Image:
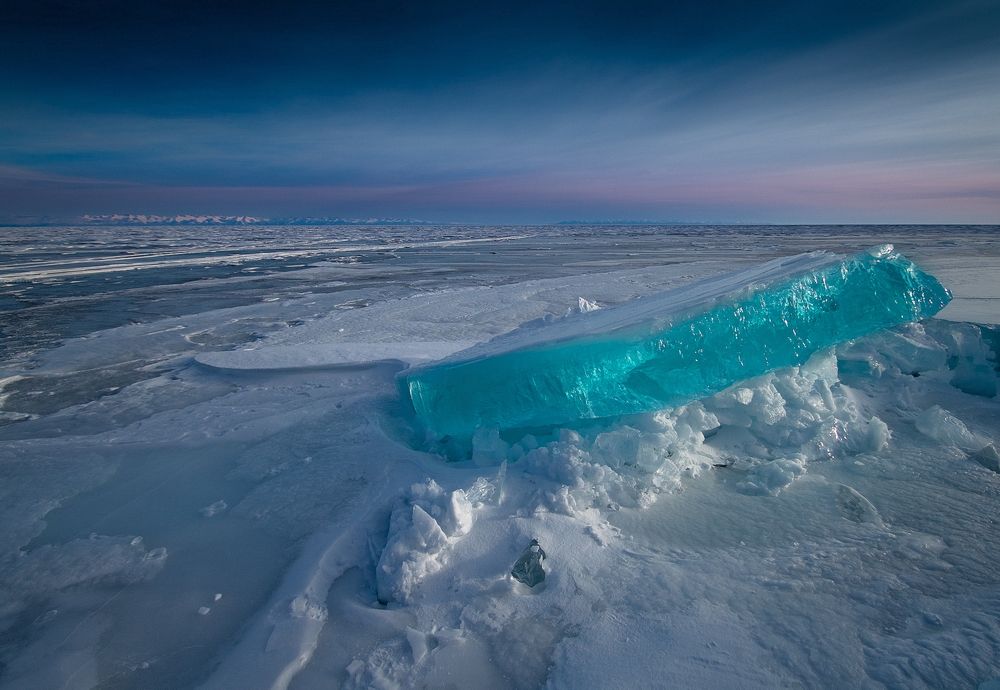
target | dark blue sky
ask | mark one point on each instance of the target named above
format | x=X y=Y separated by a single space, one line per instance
x=770 y=111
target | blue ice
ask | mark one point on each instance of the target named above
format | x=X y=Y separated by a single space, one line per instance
x=671 y=348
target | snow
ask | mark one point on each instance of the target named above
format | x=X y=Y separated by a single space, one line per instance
x=341 y=354
x=251 y=510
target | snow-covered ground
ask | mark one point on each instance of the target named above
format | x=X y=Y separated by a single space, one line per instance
x=214 y=483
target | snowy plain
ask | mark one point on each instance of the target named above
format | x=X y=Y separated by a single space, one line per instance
x=209 y=479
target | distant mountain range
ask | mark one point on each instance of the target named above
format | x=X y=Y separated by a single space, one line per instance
x=133 y=219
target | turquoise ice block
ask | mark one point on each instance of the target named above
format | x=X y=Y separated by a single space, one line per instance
x=671 y=348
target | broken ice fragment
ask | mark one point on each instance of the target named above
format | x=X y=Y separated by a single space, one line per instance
x=878 y=435
x=528 y=568
x=988 y=457
x=856 y=508
x=944 y=427
x=418 y=643
x=669 y=349
x=488 y=449
x=480 y=492
x=770 y=478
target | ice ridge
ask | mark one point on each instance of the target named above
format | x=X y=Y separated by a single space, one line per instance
x=671 y=348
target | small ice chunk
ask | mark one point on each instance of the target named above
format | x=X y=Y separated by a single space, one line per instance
x=203 y=611
x=457 y=519
x=480 y=492
x=943 y=426
x=427 y=533
x=975 y=379
x=910 y=350
x=988 y=457
x=769 y=479
x=618 y=447
x=969 y=357
x=528 y=568
x=488 y=449
x=743 y=395
x=878 y=435
x=217 y=597
x=856 y=508
x=418 y=644
x=213 y=509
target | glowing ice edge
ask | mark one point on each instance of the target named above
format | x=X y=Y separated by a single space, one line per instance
x=672 y=348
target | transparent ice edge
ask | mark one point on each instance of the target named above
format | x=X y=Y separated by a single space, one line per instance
x=671 y=348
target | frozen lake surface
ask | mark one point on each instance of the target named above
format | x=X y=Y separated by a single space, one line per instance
x=208 y=478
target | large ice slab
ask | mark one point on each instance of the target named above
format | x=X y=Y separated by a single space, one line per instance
x=669 y=349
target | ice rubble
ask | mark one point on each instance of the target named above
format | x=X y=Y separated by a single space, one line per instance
x=421 y=528
x=759 y=436
x=767 y=429
x=669 y=349
x=769 y=426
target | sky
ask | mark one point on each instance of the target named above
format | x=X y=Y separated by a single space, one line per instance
x=772 y=111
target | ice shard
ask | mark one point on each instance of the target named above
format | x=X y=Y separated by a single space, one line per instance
x=671 y=348
x=528 y=568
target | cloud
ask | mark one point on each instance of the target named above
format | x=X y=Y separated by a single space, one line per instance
x=870 y=115
x=14 y=177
